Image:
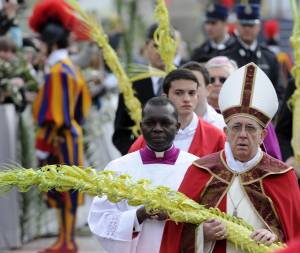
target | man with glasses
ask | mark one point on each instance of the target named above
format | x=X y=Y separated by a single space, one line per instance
x=218 y=38
x=219 y=68
x=247 y=48
x=240 y=180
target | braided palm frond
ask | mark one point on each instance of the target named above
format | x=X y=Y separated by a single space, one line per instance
x=295 y=99
x=120 y=187
x=167 y=46
x=96 y=33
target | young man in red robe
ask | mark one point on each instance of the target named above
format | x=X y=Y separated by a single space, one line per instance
x=240 y=180
x=195 y=135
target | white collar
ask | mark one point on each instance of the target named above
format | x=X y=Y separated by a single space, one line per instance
x=161 y=153
x=210 y=112
x=251 y=47
x=221 y=45
x=190 y=128
x=57 y=56
x=177 y=60
x=155 y=79
x=238 y=166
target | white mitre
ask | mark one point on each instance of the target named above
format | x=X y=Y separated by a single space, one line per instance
x=250 y=93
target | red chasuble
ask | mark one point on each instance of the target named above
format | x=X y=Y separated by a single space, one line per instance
x=207 y=140
x=271 y=186
x=293 y=247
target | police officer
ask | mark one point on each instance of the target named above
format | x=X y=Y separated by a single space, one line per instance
x=218 y=38
x=247 y=48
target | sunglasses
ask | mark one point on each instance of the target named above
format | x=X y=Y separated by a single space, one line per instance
x=221 y=79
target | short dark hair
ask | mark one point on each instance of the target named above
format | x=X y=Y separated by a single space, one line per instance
x=151 y=31
x=196 y=66
x=161 y=101
x=178 y=74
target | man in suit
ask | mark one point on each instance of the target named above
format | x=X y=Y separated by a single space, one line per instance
x=218 y=38
x=144 y=90
x=247 y=48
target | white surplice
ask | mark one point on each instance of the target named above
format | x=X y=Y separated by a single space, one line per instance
x=114 y=224
x=212 y=117
x=235 y=198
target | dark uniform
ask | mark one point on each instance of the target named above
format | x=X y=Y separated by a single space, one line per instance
x=209 y=49
x=263 y=58
x=261 y=55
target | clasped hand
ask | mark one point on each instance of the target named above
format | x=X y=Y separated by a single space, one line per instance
x=215 y=230
x=142 y=215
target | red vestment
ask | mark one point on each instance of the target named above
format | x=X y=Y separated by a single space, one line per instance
x=207 y=140
x=293 y=247
x=207 y=182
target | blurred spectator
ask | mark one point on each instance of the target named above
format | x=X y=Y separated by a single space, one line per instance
x=11 y=83
x=99 y=124
x=272 y=37
x=8 y=22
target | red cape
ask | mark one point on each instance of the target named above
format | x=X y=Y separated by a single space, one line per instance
x=207 y=140
x=281 y=188
x=293 y=247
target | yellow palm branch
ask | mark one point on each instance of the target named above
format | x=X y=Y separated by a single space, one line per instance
x=120 y=187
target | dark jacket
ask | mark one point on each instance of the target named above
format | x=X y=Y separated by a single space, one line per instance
x=123 y=137
x=205 y=52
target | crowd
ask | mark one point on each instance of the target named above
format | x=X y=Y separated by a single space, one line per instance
x=218 y=128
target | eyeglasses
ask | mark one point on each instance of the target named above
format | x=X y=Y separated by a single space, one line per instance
x=221 y=79
x=248 y=128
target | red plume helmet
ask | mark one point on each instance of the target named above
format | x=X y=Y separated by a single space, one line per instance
x=56 y=11
x=271 y=29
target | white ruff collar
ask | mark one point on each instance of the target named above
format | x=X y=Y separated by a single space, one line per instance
x=238 y=166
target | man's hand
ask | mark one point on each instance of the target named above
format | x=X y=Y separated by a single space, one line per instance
x=263 y=236
x=214 y=230
x=142 y=215
x=158 y=215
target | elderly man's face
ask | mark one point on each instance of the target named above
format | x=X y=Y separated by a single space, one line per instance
x=217 y=77
x=244 y=136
